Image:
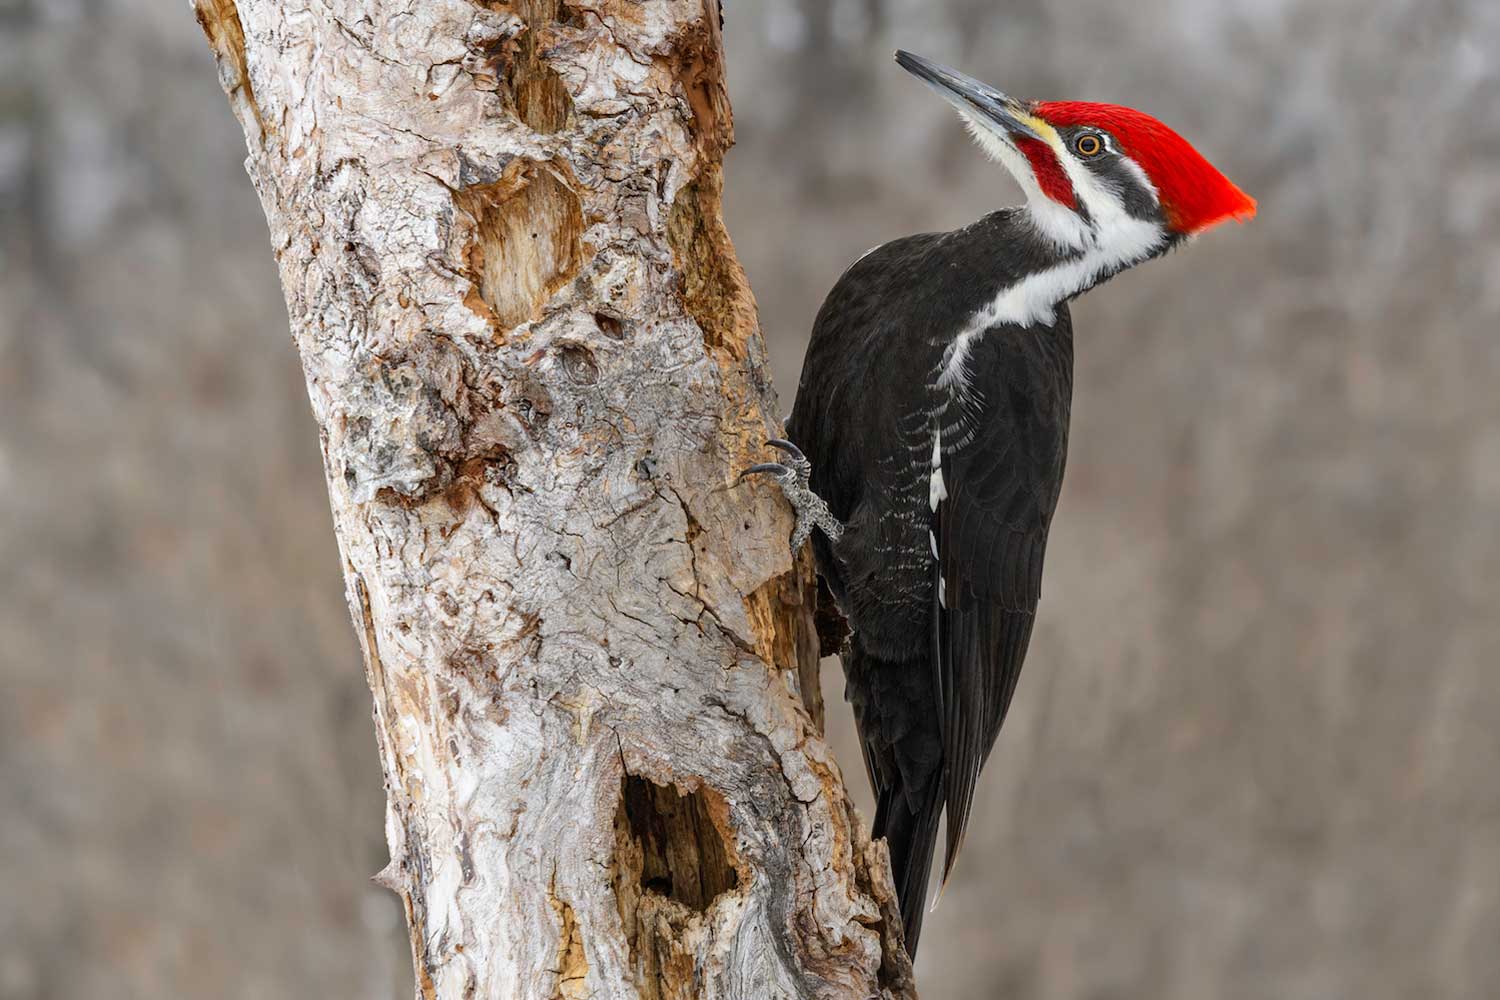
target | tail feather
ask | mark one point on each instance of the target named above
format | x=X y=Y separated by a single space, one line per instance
x=911 y=837
x=895 y=706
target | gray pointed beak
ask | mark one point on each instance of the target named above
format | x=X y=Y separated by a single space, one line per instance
x=969 y=95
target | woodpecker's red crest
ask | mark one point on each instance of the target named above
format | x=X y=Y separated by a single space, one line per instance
x=1194 y=195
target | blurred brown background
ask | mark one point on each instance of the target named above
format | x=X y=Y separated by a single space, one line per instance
x=1255 y=750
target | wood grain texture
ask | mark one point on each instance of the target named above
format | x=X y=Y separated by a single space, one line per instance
x=536 y=368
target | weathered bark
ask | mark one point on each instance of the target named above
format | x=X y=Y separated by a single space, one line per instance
x=536 y=368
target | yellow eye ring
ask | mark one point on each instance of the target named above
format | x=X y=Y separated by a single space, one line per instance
x=1088 y=144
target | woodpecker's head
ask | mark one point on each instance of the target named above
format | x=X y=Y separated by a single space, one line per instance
x=1097 y=177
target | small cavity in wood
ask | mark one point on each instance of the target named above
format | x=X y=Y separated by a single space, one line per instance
x=611 y=326
x=673 y=845
x=527 y=241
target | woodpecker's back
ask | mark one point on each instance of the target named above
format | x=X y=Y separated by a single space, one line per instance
x=939 y=444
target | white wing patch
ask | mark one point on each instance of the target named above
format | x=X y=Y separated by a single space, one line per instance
x=937 y=490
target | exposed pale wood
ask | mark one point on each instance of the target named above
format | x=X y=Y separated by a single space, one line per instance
x=536 y=369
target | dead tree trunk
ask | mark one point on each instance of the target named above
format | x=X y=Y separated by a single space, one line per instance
x=536 y=369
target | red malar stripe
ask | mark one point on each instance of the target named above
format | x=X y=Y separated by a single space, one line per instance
x=1050 y=175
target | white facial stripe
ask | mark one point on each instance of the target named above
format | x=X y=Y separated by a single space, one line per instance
x=1103 y=200
x=1140 y=177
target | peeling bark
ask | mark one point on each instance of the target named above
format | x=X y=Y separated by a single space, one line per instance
x=536 y=369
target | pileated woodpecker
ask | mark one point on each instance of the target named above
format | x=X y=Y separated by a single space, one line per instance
x=931 y=427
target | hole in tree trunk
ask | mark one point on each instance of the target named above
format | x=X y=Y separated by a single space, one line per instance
x=683 y=856
x=527 y=241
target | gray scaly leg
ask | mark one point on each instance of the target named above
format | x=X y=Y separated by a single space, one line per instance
x=792 y=475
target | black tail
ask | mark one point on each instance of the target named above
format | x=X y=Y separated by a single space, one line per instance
x=898 y=727
x=911 y=837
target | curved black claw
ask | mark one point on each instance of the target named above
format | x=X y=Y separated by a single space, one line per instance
x=795 y=459
x=781 y=444
x=775 y=468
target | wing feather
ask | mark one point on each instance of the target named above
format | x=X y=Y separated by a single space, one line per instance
x=991 y=533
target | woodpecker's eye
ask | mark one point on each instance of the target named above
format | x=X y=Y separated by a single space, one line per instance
x=1088 y=144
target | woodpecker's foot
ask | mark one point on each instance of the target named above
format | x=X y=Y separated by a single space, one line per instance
x=792 y=475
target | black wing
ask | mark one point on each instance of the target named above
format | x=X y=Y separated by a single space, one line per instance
x=991 y=529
